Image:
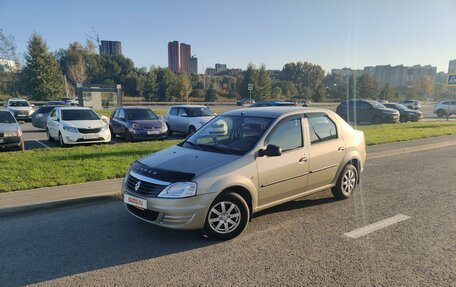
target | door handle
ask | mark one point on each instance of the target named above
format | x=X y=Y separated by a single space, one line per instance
x=341 y=148
x=303 y=159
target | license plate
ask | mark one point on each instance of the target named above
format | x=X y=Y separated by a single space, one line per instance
x=153 y=132
x=2 y=140
x=135 y=201
x=90 y=137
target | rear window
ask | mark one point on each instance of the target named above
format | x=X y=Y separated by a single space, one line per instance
x=18 y=104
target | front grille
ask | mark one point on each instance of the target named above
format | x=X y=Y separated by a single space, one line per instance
x=89 y=131
x=146 y=188
x=89 y=140
x=146 y=214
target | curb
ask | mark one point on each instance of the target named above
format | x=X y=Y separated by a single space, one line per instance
x=406 y=150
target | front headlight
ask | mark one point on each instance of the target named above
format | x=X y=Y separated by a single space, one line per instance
x=71 y=129
x=12 y=134
x=135 y=126
x=179 y=190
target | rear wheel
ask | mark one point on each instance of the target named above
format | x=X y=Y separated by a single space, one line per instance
x=227 y=217
x=347 y=182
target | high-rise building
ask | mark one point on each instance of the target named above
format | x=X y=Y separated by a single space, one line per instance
x=185 y=54
x=110 y=48
x=452 y=66
x=192 y=65
x=173 y=56
x=219 y=68
x=210 y=71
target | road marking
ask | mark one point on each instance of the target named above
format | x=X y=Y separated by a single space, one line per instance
x=43 y=144
x=376 y=226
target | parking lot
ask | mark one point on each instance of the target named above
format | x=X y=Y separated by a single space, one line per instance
x=301 y=243
x=36 y=138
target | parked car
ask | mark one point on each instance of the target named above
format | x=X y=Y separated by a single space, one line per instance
x=75 y=102
x=39 y=117
x=242 y=162
x=10 y=132
x=405 y=114
x=20 y=108
x=137 y=123
x=272 y=104
x=366 y=111
x=245 y=102
x=445 y=107
x=187 y=118
x=54 y=103
x=76 y=125
x=411 y=104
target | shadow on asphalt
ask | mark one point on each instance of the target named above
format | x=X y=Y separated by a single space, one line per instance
x=45 y=245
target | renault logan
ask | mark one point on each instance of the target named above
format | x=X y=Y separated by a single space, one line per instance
x=244 y=161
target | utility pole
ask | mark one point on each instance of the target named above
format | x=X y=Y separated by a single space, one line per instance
x=66 y=85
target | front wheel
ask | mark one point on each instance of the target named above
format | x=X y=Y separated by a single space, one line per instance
x=191 y=130
x=347 y=182
x=441 y=113
x=377 y=120
x=227 y=217
x=50 y=138
x=61 y=142
x=403 y=119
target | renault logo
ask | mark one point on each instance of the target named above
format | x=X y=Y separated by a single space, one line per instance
x=137 y=185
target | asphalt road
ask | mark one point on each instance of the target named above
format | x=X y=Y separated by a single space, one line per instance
x=36 y=138
x=301 y=243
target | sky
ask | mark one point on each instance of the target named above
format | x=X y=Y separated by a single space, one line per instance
x=330 y=33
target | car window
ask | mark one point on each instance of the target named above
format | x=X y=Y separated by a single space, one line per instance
x=182 y=112
x=287 y=134
x=321 y=128
x=364 y=105
x=53 y=113
x=199 y=112
x=173 y=111
x=6 y=118
x=121 y=114
x=115 y=114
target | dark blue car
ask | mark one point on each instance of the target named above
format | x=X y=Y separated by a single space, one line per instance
x=137 y=123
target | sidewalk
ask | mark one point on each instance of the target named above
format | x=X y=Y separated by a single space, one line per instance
x=50 y=196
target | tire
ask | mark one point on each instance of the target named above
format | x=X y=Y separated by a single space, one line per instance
x=128 y=136
x=50 y=139
x=346 y=183
x=61 y=142
x=191 y=130
x=220 y=222
x=21 y=147
x=403 y=119
x=377 y=120
x=441 y=113
x=170 y=132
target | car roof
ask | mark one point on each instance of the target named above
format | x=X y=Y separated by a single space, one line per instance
x=136 y=108
x=188 y=106
x=272 y=112
x=74 y=108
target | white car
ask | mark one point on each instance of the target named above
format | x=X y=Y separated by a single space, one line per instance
x=77 y=125
x=21 y=109
x=411 y=104
x=187 y=118
x=442 y=108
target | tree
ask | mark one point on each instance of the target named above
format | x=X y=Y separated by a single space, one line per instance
x=264 y=84
x=387 y=92
x=424 y=87
x=277 y=93
x=367 y=87
x=211 y=95
x=44 y=80
x=184 y=88
x=306 y=77
x=250 y=77
x=8 y=52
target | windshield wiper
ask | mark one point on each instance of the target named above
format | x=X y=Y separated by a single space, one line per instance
x=192 y=144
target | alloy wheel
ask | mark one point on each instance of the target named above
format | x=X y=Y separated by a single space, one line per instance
x=224 y=217
x=349 y=182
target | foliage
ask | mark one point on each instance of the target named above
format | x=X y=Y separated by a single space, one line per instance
x=42 y=75
x=367 y=87
x=307 y=78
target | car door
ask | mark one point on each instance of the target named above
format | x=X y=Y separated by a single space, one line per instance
x=113 y=120
x=283 y=176
x=326 y=149
x=120 y=123
x=366 y=112
x=171 y=118
x=53 y=123
x=182 y=121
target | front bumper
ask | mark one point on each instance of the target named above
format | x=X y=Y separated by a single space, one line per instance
x=10 y=142
x=78 y=138
x=21 y=116
x=143 y=135
x=184 y=213
x=393 y=118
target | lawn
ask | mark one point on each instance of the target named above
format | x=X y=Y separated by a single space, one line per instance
x=60 y=166
x=388 y=133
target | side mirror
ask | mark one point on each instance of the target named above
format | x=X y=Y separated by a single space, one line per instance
x=271 y=150
x=105 y=119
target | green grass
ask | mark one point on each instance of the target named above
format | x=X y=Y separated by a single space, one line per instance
x=60 y=166
x=388 y=133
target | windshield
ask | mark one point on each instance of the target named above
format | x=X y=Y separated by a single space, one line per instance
x=79 y=115
x=6 y=118
x=396 y=106
x=140 y=115
x=45 y=110
x=377 y=105
x=199 y=112
x=229 y=134
x=19 y=104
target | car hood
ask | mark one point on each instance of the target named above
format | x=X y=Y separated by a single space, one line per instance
x=187 y=160
x=20 y=108
x=148 y=123
x=8 y=127
x=84 y=124
x=389 y=110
